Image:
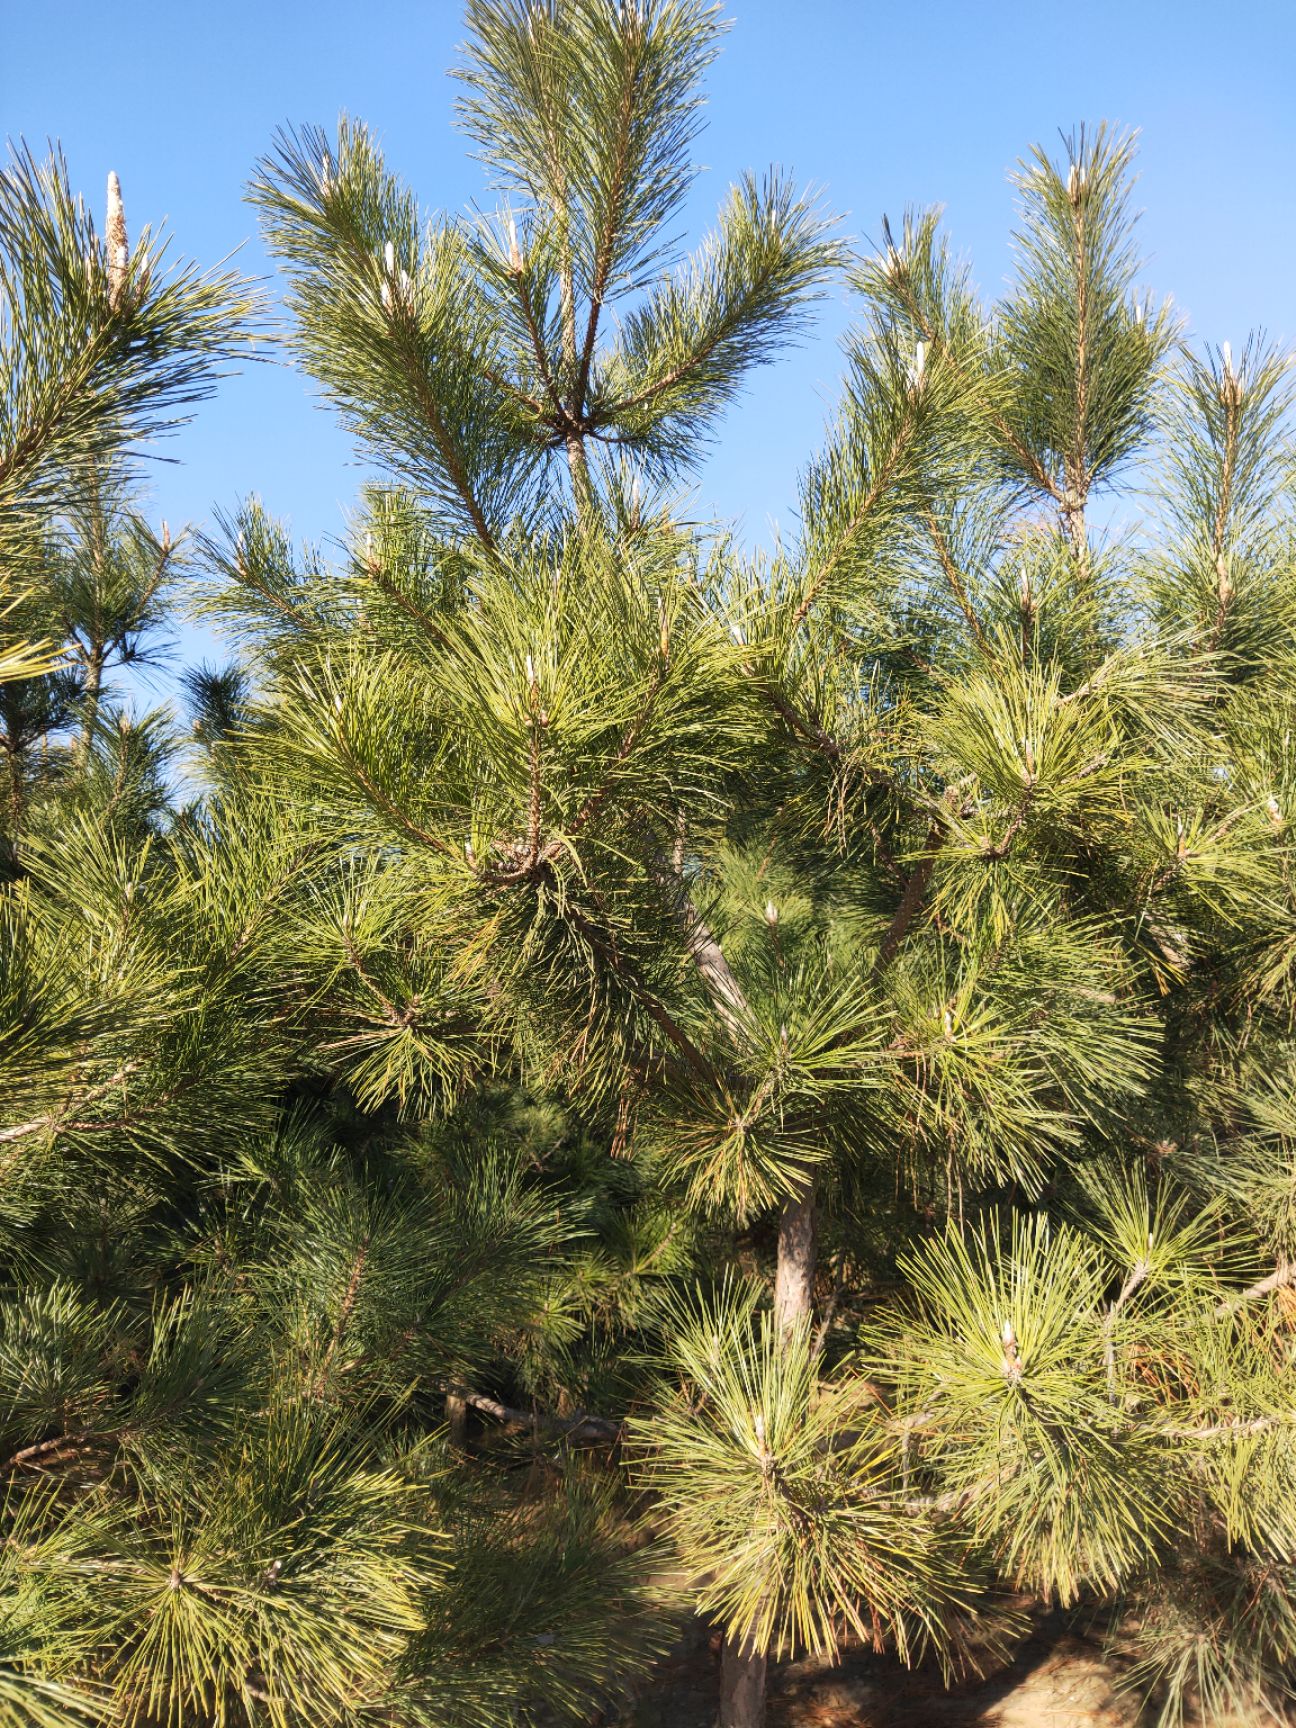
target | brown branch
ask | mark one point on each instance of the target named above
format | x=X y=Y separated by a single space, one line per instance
x=379 y=798
x=937 y=344
x=578 y=466
x=345 y=1310
x=26 y=449
x=605 y=942
x=396 y=1017
x=1280 y=1279
x=649 y=391
x=1137 y=1275
x=912 y=898
x=559 y=421
x=582 y=1426
x=383 y=581
x=33 y=1457
x=799 y=723
x=534 y=807
x=629 y=738
x=881 y=484
x=1073 y=505
x=676 y=375
x=509 y=388
x=1001 y=848
x=417 y=378
x=56 y=1119
x=723 y=987
x=266 y=899
x=954 y=577
x=607 y=239
x=830 y=1311
x=1229 y=1426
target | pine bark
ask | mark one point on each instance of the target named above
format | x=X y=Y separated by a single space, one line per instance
x=742 y=1686
x=742 y=1667
x=456 y=1414
x=798 y=1243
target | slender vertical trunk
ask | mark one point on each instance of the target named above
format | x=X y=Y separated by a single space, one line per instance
x=743 y=1667
x=742 y=1686
x=456 y=1414
x=798 y=1240
x=578 y=464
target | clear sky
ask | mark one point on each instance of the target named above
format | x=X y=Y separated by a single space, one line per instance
x=879 y=105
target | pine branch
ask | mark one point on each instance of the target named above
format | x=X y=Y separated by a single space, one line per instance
x=1282 y=1278
x=954 y=577
x=911 y=899
x=1134 y=1282
x=54 y=1120
x=579 y=1427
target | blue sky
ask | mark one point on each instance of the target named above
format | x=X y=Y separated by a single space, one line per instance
x=878 y=105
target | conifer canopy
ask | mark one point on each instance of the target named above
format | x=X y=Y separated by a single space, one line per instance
x=600 y=1075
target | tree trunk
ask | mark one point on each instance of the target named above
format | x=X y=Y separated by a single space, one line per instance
x=797 y=1248
x=742 y=1686
x=456 y=1413
x=743 y=1667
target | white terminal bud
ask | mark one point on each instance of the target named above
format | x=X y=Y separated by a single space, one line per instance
x=115 y=246
x=1231 y=384
x=530 y=670
x=735 y=630
x=469 y=853
x=389 y=257
x=1275 y=813
x=771 y=914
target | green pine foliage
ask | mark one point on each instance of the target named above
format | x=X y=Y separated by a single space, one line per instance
x=600 y=1073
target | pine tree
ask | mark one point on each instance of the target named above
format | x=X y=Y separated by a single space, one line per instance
x=793 y=1048
x=233 y=1301
x=898 y=904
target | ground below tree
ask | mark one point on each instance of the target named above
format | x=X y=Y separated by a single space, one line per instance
x=1059 y=1680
